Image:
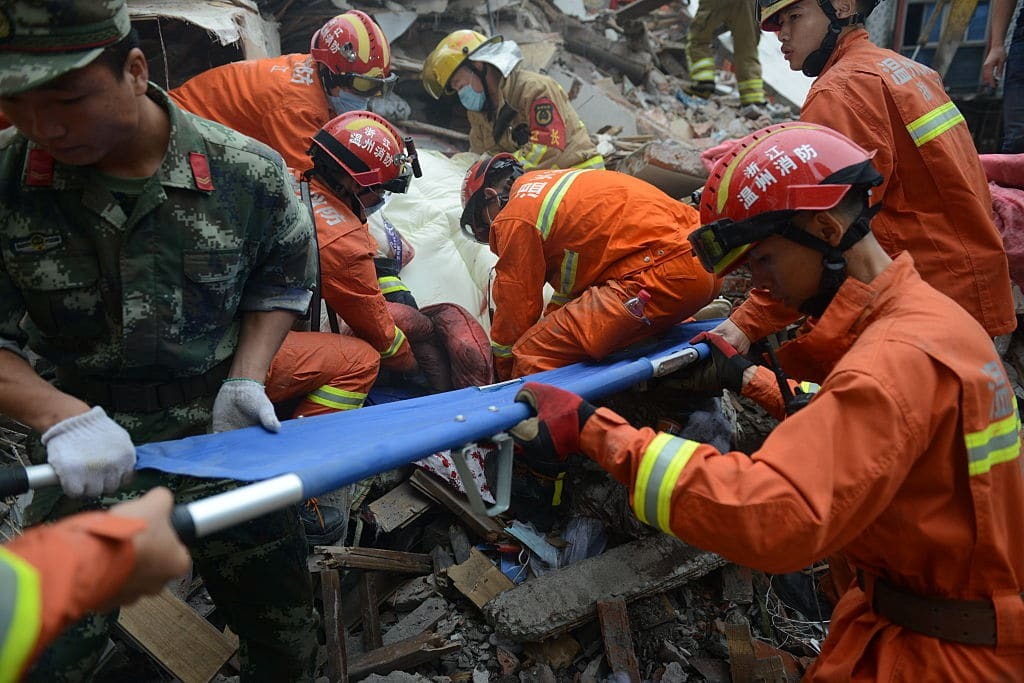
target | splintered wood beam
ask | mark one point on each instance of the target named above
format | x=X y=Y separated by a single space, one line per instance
x=618 y=643
x=371 y=617
x=486 y=527
x=402 y=656
x=374 y=559
x=334 y=628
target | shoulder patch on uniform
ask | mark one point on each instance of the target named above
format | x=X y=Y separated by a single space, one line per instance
x=200 y=171
x=546 y=125
x=40 y=169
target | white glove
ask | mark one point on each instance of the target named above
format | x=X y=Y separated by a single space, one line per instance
x=242 y=402
x=91 y=453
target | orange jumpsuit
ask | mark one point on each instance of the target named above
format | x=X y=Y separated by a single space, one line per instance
x=935 y=200
x=907 y=460
x=597 y=237
x=52 y=575
x=334 y=371
x=279 y=101
x=536 y=122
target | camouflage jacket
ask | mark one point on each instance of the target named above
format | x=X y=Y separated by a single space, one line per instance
x=216 y=232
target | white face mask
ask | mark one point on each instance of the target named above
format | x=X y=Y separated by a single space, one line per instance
x=346 y=102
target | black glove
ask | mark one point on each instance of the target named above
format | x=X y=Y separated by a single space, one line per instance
x=722 y=369
x=391 y=286
x=556 y=429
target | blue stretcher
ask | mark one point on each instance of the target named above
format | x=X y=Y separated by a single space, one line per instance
x=311 y=456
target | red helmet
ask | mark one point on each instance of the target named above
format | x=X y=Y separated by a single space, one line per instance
x=369 y=149
x=352 y=45
x=754 y=189
x=473 y=184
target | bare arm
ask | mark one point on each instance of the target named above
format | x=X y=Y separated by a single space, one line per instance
x=261 y=336
x=31 y=400
x=999 y=14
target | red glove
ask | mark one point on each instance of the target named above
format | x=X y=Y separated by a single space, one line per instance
x=560 y=418
x=723 y=368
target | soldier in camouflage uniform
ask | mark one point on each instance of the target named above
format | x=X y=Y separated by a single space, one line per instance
x=157 y=260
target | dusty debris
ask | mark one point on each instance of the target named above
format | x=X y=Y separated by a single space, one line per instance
x=630 y=571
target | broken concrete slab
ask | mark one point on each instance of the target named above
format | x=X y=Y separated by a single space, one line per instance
x=595 y=108
x=556 y=602
x=673 y=166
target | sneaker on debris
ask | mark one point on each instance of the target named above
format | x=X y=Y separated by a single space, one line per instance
x=323 y=524
x=718 y=308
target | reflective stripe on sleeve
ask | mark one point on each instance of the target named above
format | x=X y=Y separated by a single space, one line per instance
x=596 y=161
x=339 y=399
x=997 y=443
x=501 y=350
x=395 y=345
x=21 y=605
x=810 y=387
x=662 y=462
x=570 y=263
x=390 y=283
x=531 y=155
x=933 y=124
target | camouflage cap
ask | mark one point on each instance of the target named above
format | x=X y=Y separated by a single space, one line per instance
x=40 y=41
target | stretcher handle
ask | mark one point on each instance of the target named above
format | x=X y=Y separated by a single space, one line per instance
x=192 y=520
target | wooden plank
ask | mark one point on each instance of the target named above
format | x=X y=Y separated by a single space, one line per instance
x=478 y=579
x=460 y=543
x=399 y=506
x=417 y=621
x=486 y=527
x=374 y=559
x=402 y=656
x=618 y=643
x=559 y=601
x=352 y=602
x=330 y=593
x=184 y=643
x=737 y=584
x=371 y=618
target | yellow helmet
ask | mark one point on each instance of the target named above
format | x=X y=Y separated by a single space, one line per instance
x=448 y=56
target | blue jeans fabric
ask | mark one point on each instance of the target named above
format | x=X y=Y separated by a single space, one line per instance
x=1013 y=93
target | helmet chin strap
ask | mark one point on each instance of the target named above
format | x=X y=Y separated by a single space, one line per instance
x=815 y=62
x=833 y=273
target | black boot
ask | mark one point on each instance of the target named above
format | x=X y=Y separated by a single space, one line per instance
x=323 y=524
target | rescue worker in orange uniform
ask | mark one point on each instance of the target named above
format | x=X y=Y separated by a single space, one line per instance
x=907 y=459
x=357 y=158
x=93 y=561
x=510 y=109
x=599 y=238
x=283 y=101
x=934 y=201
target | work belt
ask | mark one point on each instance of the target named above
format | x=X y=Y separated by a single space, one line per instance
x=971 y=622
x=142 y=396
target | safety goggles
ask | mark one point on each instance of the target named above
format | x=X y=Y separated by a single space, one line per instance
x=367 y=86
x=724 y=245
